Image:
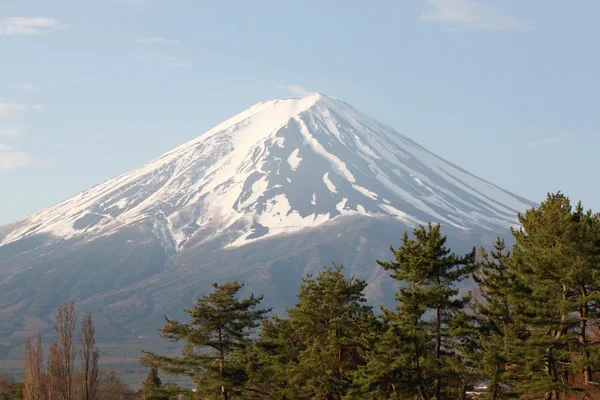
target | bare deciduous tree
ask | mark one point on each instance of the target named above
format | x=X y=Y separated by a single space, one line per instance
x=111 y=387
x=6 y=384
x=89 y=354
x=60 y=364
x=33 y=383
x=53 y=379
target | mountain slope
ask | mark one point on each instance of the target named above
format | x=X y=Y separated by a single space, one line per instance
x=269 y=195
x=275 y=168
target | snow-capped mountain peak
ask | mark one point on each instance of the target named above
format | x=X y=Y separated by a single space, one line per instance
x=275 y=168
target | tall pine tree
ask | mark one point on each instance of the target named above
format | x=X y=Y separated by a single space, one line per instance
x=314 y=353
x=219 y=327
x=502 y=338
x=389 y=372
x=557 y=254
x=430 y=311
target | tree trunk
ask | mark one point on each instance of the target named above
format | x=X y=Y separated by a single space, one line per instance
x=222 y=364
x=551 y=368
x=224 y=393
x=438 y=346
x=587 y=369
x=33 y=383
x=421 y=389
x=64 y=326
x=417 y=354
x=221 y=355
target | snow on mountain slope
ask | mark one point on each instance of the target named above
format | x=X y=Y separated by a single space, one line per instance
x=278 y=167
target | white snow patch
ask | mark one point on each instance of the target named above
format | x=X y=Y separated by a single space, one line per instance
x=341 y=205
x=328 y=183
x=365 y=191
x=366 y=149
x=279 y=218
x=294 y=159
x=344 y=209
x=410 y=221
x=122 y=203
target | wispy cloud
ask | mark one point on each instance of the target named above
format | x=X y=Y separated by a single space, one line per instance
x=38 y=107
x=547 y=142
x=156 y=40
x=11 y=159
x=10 y=110
x=471 y=14
x=295 y=89
x=25 y=86
x=137 y=2
x=28 y=26
x=8 y=131
x=180 y=64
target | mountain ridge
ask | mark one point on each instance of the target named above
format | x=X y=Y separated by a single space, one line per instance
x=319 y=127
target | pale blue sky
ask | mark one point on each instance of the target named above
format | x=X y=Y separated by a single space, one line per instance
x=93 y=88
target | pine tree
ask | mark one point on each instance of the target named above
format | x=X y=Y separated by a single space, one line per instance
x=557 y=253
x=152 y=386
x=502 y=338
x=219 y=326
x=315 y=352
x=388 y=371
x=429 y=313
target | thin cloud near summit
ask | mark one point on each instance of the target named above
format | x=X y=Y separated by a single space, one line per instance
x=11 y=110
x=295 y=89
x=156 y=40
x=471 y=14
x=28 y=26
x=11 y=159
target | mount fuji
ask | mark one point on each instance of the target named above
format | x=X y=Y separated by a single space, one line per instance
x=275 y=192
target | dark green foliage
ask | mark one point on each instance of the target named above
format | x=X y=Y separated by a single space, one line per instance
x=315 y=352
x=218 y=330
x=152 y=388
x=531 y=331
x=556 y=256
x=388 y=372
x=502 y=337
x=429 y=320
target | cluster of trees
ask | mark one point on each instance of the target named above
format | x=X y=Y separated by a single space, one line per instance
x=71 y=371
x=10 y=389
x=110 y=387
x=528 y=330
